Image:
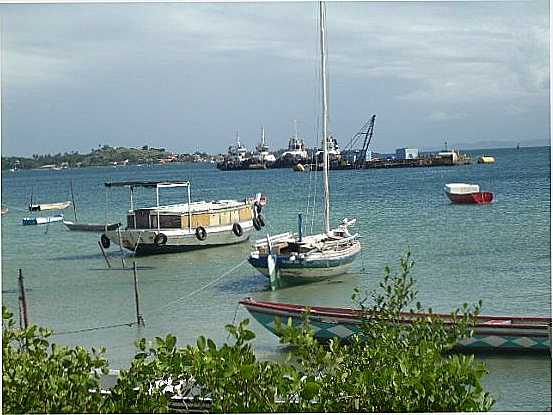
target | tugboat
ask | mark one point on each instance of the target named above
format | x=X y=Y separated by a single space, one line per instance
x=296 y=153
x=262 y=158
x=235 y=157
x=464 y=193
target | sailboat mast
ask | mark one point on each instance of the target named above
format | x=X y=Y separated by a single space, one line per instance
x=322 y=22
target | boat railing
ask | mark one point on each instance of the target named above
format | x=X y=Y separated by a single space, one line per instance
x=274 y=238
x=342 y=241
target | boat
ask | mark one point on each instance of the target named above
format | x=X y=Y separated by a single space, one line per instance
x=490 y=333
x=235 y=157
x=86 y=227
x=486 y=160
x=49 y=206
x=4 y=210
x=90 y=227
x=296 y=152
x=467 y=194
x=42 y=220
x=294 y=258
x=183 y=226
x=261 y=158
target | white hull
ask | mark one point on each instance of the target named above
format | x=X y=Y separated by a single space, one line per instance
x=143 y=240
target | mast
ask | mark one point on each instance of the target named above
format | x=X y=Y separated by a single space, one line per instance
x=322 y=9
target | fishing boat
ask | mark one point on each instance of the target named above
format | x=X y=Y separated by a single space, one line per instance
x=42 y=220
x=490 y=333
x=295 y=258
x=183 y=226
x=464 y=193
x=86 y=227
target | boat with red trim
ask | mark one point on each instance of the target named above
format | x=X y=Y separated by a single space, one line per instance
x=467 y=194
x=490 y=333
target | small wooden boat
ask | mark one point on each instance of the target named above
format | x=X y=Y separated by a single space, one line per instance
x=86 y=227
x=42 y=220
x=467 y=194
x=491 y=333
x=49 y=206
x=90 y=227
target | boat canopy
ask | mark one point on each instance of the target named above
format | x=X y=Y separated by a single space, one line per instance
x=151 y=184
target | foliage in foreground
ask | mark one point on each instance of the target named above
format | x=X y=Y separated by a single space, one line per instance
x=389 y=368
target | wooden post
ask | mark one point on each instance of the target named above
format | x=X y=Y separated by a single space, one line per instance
x=104 y=253
x=139 y=319
x=121 y=248
x=23 y=300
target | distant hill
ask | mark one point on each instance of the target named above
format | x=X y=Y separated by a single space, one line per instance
x=103 y=156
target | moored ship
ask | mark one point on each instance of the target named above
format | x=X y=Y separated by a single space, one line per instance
x=184 y=226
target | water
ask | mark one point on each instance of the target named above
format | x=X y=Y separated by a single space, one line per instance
x=499 y=253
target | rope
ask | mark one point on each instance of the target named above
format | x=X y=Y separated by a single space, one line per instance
x=201 y=288
x=92 y=329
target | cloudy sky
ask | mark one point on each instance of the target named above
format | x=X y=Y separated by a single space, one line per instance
x=187 y=76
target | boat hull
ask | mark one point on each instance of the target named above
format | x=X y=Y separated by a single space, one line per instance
x=471 y=198
x=308 y=270
x=491 y=333
x=89 y=227
x=142 y=241
x=44 y=220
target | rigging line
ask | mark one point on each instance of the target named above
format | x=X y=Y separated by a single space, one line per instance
x=201 y=288
x=57 y=333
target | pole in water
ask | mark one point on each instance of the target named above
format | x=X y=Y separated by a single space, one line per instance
x=121 y=248
x=104 y=253
x=139 y=319
x=23 y=300
x=300 y=227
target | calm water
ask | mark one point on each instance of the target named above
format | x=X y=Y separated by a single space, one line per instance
x=499 y=253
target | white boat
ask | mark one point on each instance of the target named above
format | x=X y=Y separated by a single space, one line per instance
x=184 y=226
x=49 y=206
x=90 y=227
x=42 y=220
x=296 y=258
x=86 y=227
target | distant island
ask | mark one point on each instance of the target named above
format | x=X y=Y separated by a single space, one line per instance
x=104 y=156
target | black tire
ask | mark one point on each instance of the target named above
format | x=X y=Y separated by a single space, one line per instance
x=104 y=240
x=258 y=207
x=160 y=239
x=237 y=229
x=201 y=233
x=261 y=219
x=256 y=224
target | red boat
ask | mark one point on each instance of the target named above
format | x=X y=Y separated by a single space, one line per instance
x=467 y=193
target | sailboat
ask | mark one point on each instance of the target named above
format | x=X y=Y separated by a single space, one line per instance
x=296 y=258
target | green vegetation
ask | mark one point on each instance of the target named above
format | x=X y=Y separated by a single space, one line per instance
x=391 y=368
x=102 y=156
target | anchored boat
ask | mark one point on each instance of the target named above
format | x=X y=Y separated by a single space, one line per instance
x=298 y=259
x=184 y=226
x=44 y=220
x=490 y=333
x=467 y=194
x=86 y=227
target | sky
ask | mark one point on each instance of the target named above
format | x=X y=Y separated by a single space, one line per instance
x=190 y=76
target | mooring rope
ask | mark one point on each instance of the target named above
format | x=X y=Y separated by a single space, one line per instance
x=57 y=333
x=201 y=288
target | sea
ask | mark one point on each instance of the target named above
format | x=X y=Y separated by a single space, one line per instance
x=498 y=253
